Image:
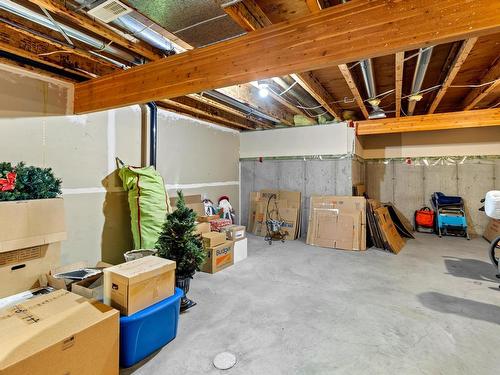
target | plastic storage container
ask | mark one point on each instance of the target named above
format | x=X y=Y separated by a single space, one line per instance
x=492 y=204
x=148 y=330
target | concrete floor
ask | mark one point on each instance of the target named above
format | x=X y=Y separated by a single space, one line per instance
x=297 y=309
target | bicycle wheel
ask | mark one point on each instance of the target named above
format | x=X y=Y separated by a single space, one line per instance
x=495 y=251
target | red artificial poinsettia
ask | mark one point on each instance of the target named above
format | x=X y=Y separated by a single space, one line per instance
x=9 y=183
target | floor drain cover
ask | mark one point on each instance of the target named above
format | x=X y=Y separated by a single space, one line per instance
x=224 y=361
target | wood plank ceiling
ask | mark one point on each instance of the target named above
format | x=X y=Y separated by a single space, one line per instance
x=461 y=75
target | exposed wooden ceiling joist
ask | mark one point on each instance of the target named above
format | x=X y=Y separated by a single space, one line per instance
x=382 y=27
x=438 y=121
x=400 y=61
x=226 y=108
x=314 y=5
x=247 y=94
x=344 y=69
x=49 y=52
x=479 y=93
x=50 y=35
x=200 y=110
x=251 y=17
x=311 y=84
x=141 y=48
x=462 y=54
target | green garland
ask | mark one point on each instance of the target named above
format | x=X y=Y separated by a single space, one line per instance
x=30 y=183
x=178 y=242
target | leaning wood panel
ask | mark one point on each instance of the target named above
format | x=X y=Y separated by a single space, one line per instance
x=439 y=121
x=326 y=38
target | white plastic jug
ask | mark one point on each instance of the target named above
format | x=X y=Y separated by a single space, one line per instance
x=492 y=204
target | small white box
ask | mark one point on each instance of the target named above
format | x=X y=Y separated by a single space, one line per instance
x=240 y=250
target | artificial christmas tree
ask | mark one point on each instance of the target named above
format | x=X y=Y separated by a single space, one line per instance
x=179 y=242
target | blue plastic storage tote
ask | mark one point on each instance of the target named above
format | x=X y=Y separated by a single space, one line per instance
x=148 y=330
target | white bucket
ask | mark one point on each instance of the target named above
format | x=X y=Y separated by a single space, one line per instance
x=492 y=204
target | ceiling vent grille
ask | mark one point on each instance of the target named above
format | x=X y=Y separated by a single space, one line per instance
x=109 y=11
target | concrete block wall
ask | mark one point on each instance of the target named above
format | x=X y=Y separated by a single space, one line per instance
x=309 y=176
x=409 y=186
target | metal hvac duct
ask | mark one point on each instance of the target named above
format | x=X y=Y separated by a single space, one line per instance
x=42 y=20
x=369 y=80
x=424 y=56
x=235 y=103
x=137 y=29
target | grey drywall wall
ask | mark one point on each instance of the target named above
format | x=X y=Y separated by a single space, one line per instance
x=409 y=186
x=310 y=177
x=193 y=155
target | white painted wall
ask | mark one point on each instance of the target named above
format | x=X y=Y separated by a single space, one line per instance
x=457 y=142
x=332 y=139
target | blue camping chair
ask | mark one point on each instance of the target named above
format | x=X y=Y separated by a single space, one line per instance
x=450 y=215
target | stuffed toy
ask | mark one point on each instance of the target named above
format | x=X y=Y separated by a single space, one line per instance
x=210 y=209
x=226 y=208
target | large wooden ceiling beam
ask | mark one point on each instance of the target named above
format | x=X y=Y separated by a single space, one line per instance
x=141 y=48
x=462 y=54
x=344 y=69
x=479 y=93
x=438 y=121
x=315 y=41
x=400 y=61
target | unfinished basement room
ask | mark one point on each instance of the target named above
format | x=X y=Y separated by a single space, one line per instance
x=249 y=187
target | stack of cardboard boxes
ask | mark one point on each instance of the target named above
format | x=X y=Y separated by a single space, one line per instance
x=55 y=333
x=285 y=204
x=224 y=248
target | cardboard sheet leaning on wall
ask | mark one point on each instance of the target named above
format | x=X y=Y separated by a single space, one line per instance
x=288 y=205
x=337 y=222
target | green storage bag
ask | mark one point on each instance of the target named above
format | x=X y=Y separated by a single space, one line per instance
x=148 y=201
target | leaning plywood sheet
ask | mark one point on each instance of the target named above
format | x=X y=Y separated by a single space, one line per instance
x=403 y=225
x=375 y=234
x=393 y=241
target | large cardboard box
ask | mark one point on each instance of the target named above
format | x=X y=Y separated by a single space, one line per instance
x=133 y=286
x=21 y=269
x=212 y=239
x=59 y=333
x=492 y=231
x=202 y=228
x=67 y=284
x=25 y=224
x=193 y=202
x=337 y=222
x=218 y=258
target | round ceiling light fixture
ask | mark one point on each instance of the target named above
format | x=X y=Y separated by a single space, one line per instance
x=263 y=89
